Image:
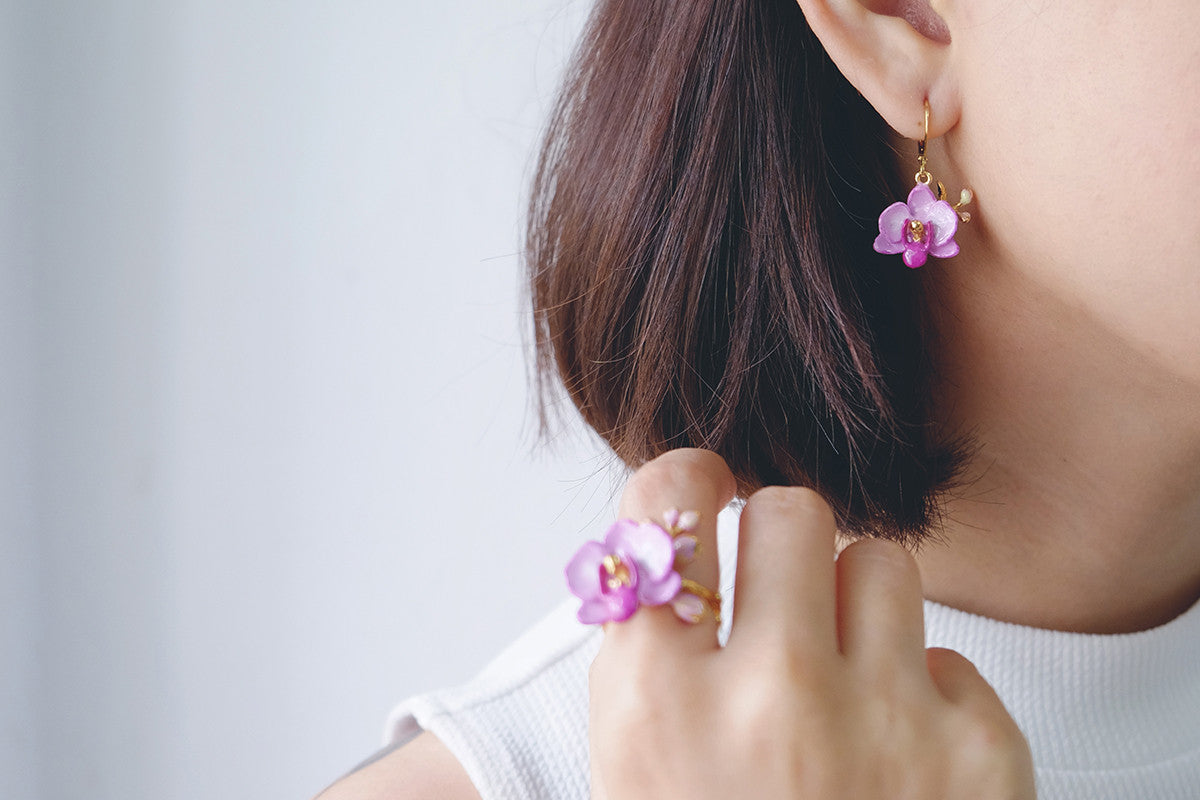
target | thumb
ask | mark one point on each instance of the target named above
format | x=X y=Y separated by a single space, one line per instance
x=955 y=677
x=960 y=682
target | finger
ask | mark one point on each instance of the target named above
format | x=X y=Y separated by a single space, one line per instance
x=785 y=575
x=599 y=792
x=881 y=613
x=954 y=675
x=687 y=480
x=957 y=679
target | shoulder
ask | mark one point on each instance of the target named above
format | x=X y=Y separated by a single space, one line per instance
x=518 y=729
x=418 y=770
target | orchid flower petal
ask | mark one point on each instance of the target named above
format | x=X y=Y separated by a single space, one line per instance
x=914 y=257
x=920 y=199
x=622 y=604
x=945 y=223
x=892 y=221
x=887 y=246
x=655 y=593
x=593 y=612
x=583 y=570
x=946 y=250
x=645 y=544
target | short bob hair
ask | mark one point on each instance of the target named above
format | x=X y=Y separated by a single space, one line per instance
x=699 y=248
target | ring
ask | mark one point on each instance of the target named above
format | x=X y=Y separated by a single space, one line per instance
x=693 y=600
x=637 y=565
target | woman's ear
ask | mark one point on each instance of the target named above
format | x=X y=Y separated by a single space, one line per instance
x=896 y=53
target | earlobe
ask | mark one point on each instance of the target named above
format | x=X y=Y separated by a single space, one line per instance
x=896 y=53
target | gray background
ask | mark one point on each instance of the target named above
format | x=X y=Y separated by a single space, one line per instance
x=267 y=462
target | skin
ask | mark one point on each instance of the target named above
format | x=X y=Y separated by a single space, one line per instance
x=1070 y=348
x=1067 y=349
x=831 y=694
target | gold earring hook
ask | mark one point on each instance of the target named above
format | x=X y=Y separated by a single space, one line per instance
x=924 y=177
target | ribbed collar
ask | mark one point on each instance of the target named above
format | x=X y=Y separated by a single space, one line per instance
x=1087 y=702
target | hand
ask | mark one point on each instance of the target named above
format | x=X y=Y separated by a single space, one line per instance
x=825 y=689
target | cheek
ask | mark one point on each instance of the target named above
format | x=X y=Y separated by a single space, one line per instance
x=1081 y=135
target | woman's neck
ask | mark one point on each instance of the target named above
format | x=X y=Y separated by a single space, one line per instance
x=1080 y=509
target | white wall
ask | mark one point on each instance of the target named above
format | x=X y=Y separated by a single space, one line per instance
x=268 y=465
x=18 y=547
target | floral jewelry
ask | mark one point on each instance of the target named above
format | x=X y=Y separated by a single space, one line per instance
x=925 y=225
x=636 y=565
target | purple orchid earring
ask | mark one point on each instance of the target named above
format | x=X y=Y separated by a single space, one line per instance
x=924 y=225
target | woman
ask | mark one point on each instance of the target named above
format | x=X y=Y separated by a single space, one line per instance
x=1004 y=444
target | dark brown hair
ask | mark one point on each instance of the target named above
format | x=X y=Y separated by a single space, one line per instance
x=700 y=260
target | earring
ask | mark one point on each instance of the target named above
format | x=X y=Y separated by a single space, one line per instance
x=925 y=225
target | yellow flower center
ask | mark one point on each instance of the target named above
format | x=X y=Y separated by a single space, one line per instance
x=916 y=230
x=617 y=572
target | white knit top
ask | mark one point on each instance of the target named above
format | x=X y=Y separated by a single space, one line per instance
x=1107 y=717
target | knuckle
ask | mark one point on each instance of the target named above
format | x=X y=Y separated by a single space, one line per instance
x=695 y=456
x=943 y=658
x=993 y=747
x=792 y=501
x=946 y=664
x=881 y=572
x=679 y=470
x=988 y=732
x=776 y=665
x=783 y=661
x=756 y=706
x=784 y=680
x=881 y=555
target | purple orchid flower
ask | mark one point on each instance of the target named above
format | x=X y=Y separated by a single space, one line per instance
x=634 y=565
x=922 y=227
